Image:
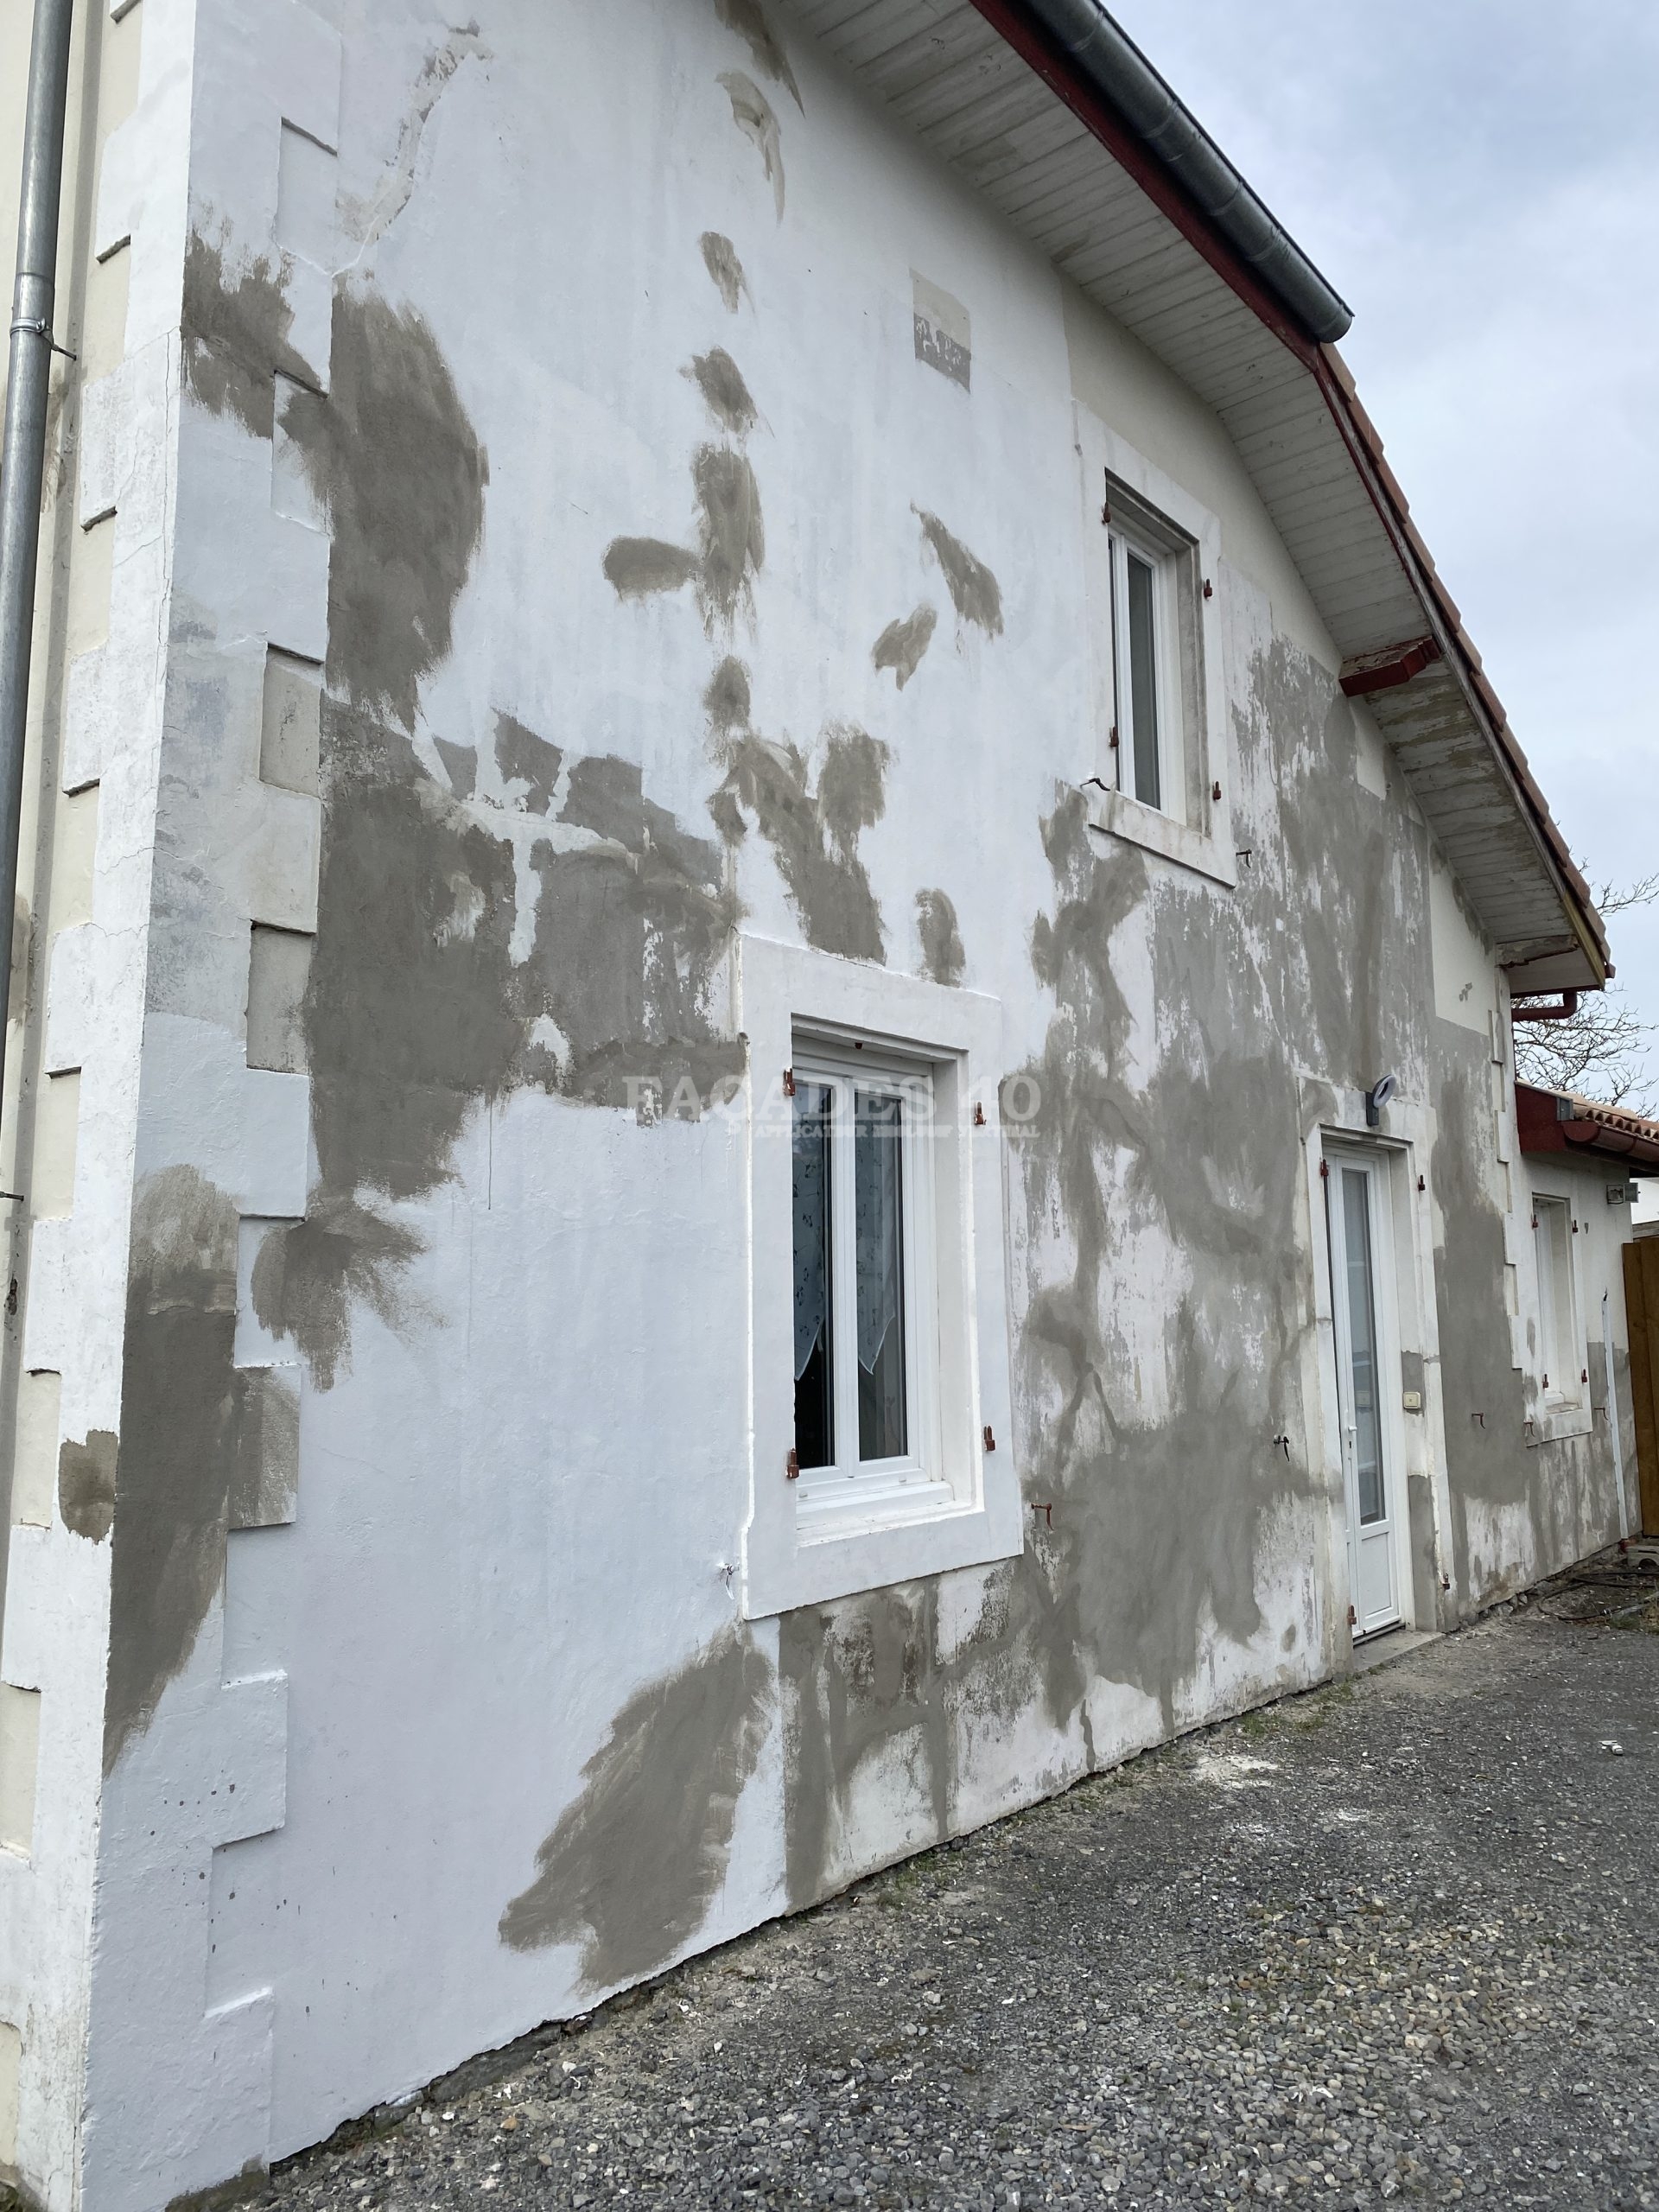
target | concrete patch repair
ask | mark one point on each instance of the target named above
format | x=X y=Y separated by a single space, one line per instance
x=472 y=674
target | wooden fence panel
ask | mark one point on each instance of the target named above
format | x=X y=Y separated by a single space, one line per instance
x=1642 y=1313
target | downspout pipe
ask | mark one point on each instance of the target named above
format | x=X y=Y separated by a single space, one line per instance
x=23 y=458
x=1112 y=64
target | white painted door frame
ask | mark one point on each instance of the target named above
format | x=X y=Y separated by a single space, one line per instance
x=1378 y=1550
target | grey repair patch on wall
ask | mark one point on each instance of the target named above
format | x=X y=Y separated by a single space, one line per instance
x=731 y=543
x=944 y=339
x=942 y=957
x=719 y=380
x=725 y=269
x=86 y=1484
x=813 y=833
x=635 y=1861
x=234 y=325
x=1198 y=1145
x=416 y=1012
x=901 y=644
x=975 y=592
x=752 y=113
x=399 y=470
x=748 y=18
x=1482 y=1391
x=459 y=764
x=421 y=1003
x=197 y=1432
x=523 y=758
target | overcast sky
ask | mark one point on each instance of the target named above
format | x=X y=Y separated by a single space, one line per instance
x=1479 y=178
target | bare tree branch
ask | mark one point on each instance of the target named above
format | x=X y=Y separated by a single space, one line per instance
x=1599 y=1052
x=1615 y=898
x=1596 y=1053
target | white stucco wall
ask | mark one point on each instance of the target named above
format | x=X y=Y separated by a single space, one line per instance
x=74 y=1043
x=439 y=1717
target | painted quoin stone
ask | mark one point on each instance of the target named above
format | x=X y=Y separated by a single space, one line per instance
x=549 y=515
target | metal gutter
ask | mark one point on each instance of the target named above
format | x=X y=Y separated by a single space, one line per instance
x=23 y=459
x=1111 y=63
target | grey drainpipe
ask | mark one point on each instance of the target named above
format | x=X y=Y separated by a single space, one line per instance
x=23 y=460
x=22 y=469
x=1121 y=73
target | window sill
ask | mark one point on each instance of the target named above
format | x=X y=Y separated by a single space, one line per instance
x=866 y=1545
x=1117 y=815
x=1557 y=1423
x=844 y=1507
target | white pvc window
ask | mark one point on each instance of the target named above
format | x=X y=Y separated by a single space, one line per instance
x=1558 y=1316
x=866 y=1314
x=1146 y=672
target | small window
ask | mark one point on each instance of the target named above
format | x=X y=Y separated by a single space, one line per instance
x=1558 y=1322
x=1145 y=657
x=880 y=1444
x=865 y=1320
x=1158 y=777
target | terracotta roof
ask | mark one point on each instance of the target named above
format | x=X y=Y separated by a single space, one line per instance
x=1447 y=607
x=1560 y=1120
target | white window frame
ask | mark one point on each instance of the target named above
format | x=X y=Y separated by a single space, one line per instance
x=952 y=1502
x=1561 y=1393
x=1123 y=542
x=1129 y=501
x=911 y=1479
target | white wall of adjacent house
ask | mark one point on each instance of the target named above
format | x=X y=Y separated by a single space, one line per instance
x=76 y=1008
x=405 y=1749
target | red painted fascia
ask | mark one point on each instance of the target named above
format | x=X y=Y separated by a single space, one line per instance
x=1384 y=671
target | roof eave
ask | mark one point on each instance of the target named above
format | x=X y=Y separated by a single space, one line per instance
x=1090 y=63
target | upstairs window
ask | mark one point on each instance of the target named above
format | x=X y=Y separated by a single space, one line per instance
x=1147 y=677
x=1152 y=557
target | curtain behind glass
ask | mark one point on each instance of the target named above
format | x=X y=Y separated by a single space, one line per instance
x=878 y=1196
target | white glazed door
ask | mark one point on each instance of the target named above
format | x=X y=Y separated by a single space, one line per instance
x=1353 y=1195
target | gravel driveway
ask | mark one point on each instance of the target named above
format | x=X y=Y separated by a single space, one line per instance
x=1399 y=1938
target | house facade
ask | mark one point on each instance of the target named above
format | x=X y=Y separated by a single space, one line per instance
x=760 y=1069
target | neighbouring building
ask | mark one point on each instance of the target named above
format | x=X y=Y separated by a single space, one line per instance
x=760 y=1081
